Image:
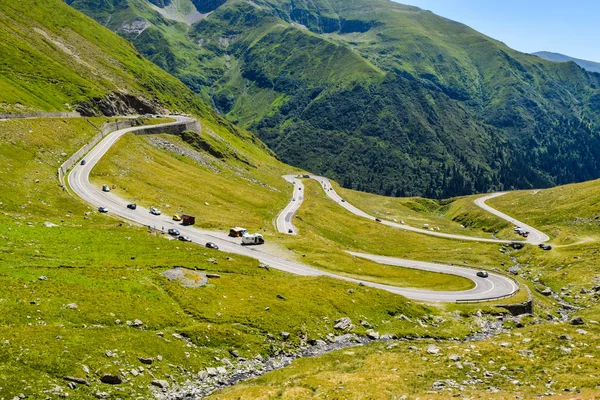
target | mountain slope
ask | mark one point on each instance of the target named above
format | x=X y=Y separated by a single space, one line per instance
x=52 y=58
x=379 y=96
x=587 y=65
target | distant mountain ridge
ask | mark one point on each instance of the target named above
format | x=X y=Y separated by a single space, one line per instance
x=585 y=64
x=379 y=96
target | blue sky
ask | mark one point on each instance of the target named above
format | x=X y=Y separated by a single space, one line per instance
x=568 y=27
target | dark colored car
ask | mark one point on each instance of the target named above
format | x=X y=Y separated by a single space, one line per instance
x=343 y=201
x=482 y=274
x=546 y=247
x=377 y=219
x=290 y=231
x=184 y=238
x=211 y=245
x=132 y=206
x=82 y=162
x=173 y=232
x=102 y=210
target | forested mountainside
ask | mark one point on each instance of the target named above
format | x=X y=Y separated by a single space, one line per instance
x=379 y=96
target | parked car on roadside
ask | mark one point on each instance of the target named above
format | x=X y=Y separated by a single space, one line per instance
x=176 y=217
x=155 y=211
x=105 y=188
x=174 y=232
x=211 y=245
x=132 y=206
x=103 y=210
x=545 y=246
x=184 y=238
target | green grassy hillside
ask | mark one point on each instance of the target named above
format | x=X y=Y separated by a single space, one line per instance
x=84 y=294
x=541 y=357
x=101 y=272
x=379 y=96
x=52 y=58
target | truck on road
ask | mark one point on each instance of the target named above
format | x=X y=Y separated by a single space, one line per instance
x=238 y=232
x=256 y=239
x=187 y=220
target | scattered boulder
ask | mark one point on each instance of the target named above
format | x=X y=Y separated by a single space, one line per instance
x=212 y=261
x=80 y=381
x=137 y=323
x=111 y=379
x=221 y=370
x=371 y=334
x=514 y=270
x=577 y=321
x=71 y=306
x=285 y=335
x=146 y=360
x=213 y=276
x=526 y=353
x=565 y=350
x=161 y=384
x=433 y=349
x=109 y=353
x=564 y=337
x=454 y=357
x=42 y=278
x=343 y=324
x=366 y=324
x=546 y=291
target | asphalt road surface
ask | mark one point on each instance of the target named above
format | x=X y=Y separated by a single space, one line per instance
x=285 y=220
x=535 y=236
x=78 y=179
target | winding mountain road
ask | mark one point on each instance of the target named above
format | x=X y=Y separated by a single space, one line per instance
x=285 y=220
x=78 y=178
x=535 y=236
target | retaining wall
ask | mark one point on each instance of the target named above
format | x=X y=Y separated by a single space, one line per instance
x=41 y=115
x=176 y=128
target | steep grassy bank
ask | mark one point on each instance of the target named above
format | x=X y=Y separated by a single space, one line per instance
x=53 y=58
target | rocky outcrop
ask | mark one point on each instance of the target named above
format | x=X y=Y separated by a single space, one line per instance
x=118 y=104
x=134 y=28
x=519 y=308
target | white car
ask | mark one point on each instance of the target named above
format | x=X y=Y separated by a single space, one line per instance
x=155 y=211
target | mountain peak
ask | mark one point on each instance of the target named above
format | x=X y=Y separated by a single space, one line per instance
x=558 y=57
